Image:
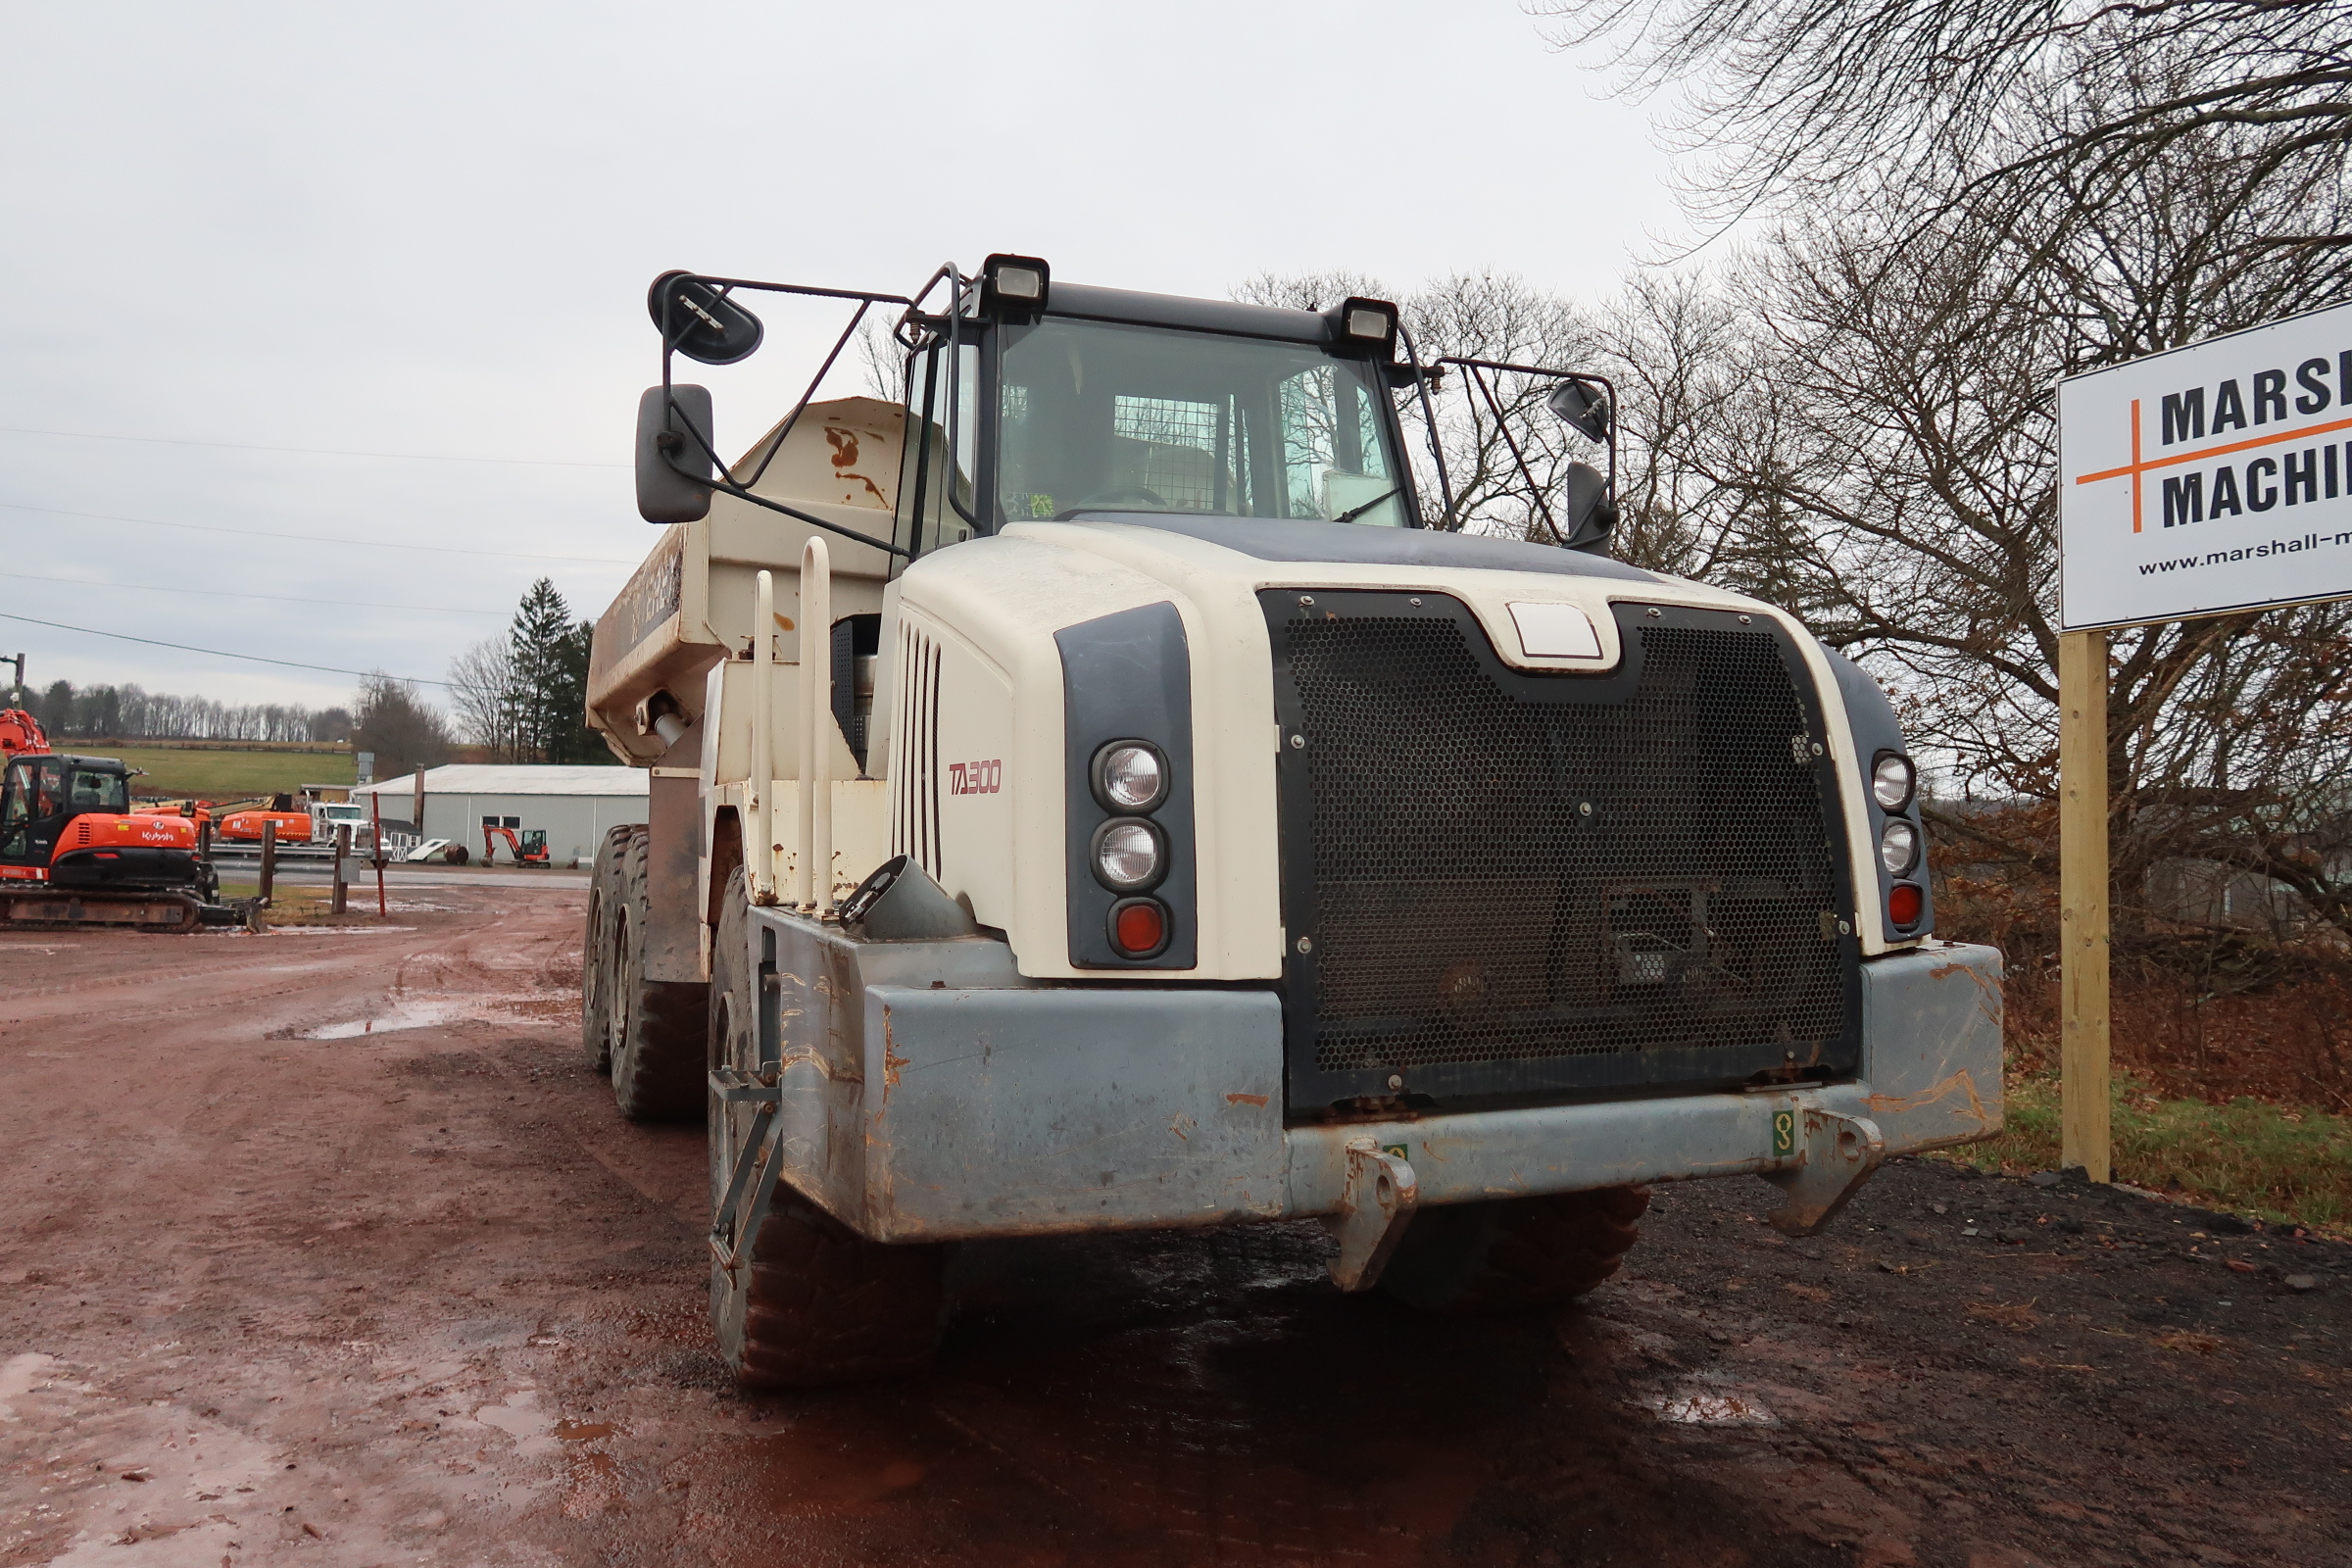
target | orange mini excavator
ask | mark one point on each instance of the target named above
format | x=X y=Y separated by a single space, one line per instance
x=73 y=854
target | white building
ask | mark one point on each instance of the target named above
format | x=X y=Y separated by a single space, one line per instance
x=572 y=806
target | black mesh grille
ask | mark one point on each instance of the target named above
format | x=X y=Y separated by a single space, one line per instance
x=1558 y=872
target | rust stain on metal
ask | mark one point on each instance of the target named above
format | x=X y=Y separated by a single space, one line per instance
x=1245 y=1099
x=844 y=459
x=1962 y=1082
x=1988 y=987
x=891 y=1061
x=1179 y=1125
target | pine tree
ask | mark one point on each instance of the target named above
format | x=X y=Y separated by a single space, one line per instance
x=541 y=625
x=549 y=658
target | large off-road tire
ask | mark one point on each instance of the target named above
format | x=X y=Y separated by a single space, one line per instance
x=596 y=948
x=812 y=1303
x=655 y=1026
x=1514 y=1256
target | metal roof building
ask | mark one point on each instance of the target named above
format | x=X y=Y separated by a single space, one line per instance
x=574 y=806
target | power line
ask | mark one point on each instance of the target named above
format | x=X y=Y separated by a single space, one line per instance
x=216 y=653
x=315 y=538
x=230 y=593
x=316 y=452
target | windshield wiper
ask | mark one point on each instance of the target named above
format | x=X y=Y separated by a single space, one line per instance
x=1353 y=513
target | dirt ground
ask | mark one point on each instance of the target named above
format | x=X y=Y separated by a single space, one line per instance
x=325 y=1249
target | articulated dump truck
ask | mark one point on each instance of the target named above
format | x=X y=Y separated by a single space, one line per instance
x=1110 y=790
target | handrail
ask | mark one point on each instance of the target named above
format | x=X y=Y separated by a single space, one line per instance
x=814 y=885
x=759 y=864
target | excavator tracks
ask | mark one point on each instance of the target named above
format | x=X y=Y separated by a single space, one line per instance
x=61 y=909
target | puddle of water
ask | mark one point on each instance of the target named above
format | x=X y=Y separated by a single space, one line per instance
x=420 y=1014
x=519 y=1417
x=1710 y=1407
x=19 y=1376
x=584 y=1430
x=337 y=930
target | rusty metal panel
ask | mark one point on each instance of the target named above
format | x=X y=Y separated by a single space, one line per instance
x=1931 y=1054
x=814 y=984
x=674 y=850
x=940 y=1096
x=1523 y=1152
x=1931 y=1045
x=994 y=1112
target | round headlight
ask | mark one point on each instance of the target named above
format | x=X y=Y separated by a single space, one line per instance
x=1892 y=780
x=1127 y=854
x=1898 y=847
x=1130 y=776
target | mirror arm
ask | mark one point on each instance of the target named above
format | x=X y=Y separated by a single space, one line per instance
x=802 y=406
x=1602 y=381
x=1503 y=427
x=1429 y=414
x=730 y=487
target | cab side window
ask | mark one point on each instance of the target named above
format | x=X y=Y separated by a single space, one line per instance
x=15 y=810
x=48 y=793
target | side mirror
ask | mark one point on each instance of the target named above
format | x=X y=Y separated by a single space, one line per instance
x=673 y=467
x=700 y=322
x=1590 y=510
x=1583 y=407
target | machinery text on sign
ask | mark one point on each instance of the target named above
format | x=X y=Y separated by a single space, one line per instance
x=2209 y=479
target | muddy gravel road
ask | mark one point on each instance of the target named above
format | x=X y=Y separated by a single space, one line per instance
x=324 y=1248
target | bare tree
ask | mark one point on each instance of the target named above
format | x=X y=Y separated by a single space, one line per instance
x=390 y=719
x=2046 y=108
x=489 y=699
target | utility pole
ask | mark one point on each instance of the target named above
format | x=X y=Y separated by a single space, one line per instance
x=15 y=692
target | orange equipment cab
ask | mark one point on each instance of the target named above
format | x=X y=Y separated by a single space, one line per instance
x=72 y=851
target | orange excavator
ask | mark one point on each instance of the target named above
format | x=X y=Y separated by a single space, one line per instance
x=75 y=854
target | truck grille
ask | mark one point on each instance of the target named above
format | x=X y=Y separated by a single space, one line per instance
x=1512 y=883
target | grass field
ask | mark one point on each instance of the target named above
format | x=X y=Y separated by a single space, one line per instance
x=2283 y=1164
x=222 y=775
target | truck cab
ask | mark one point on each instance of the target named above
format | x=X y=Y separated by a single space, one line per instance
x=1113 y=788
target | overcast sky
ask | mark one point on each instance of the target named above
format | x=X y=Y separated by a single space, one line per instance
x=428 y=229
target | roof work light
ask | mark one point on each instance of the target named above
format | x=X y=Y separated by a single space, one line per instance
x=1365 y=325
x=1013 y=288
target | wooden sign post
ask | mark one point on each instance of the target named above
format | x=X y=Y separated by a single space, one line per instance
x=2199 y=481
x=2082 y=901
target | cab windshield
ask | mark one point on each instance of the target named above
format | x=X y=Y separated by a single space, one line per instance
x=1098 y=417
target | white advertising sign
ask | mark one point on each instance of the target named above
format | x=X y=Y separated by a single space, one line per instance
x=2209 y=479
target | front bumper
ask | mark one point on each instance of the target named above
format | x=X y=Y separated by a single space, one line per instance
x=927 y=1093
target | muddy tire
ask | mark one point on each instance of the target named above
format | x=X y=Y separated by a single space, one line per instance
x=654 y=1027
x=1517 y=1255
x=596 y=949
x=812 y=1304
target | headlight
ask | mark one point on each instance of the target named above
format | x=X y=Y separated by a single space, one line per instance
x=1898 y=847
x=1127 y=854
x=1130 y=776
x=1892 y=780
